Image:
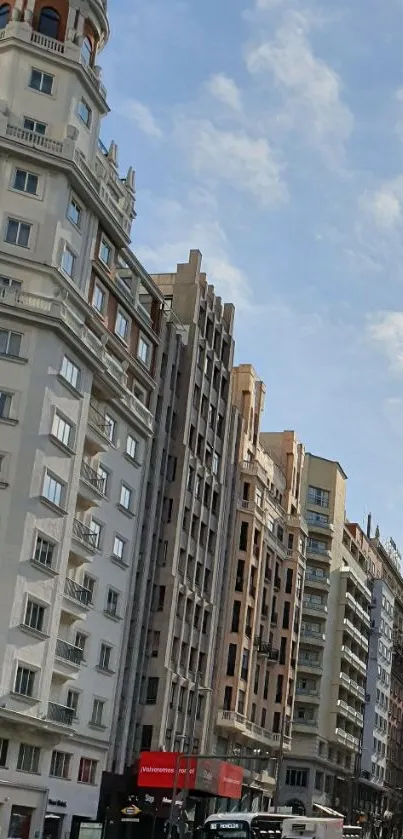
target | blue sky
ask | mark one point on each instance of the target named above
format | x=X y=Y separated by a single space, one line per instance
x=269 y=134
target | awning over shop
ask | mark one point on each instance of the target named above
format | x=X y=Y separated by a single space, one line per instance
x=164 y=770
x=327 y=811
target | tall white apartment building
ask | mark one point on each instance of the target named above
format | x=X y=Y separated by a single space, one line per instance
x=378 y=686
x=79 y=336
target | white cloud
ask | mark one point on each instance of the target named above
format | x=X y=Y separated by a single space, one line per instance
x=224 y=89
x=180 y=227
x=237 y=158
x=141 y=115
x=384 y=205
x=311 y=88
x=386 y=329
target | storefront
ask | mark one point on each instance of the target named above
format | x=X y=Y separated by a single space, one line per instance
x=140 y=802
x=22 y=810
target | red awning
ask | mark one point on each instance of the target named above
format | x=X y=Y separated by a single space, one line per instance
x=158 y=770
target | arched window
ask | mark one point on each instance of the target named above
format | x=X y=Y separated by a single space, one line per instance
x=86 y=51
x=4 y=15
x=49 y=22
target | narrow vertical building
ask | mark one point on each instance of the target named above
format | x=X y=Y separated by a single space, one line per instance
x=332 y=662
x=261 y=608
x=188 y=499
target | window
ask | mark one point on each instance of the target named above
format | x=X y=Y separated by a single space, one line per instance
x=7 y=282
x=86 y=51
x=89 y=584
x=42 y=82
x=98 y=707
x=152 y=690
x=49 y=21
x=28 y=758
x=243 y=536
x=121 y=325
x=81 y=642
x=110 y=427
x=98 y=298
x=74 y=212
x=24 y=681
x=318 y=496
x=68 y=261
x=84 y=112
x=125 y=498
x=73 y=697
x=216 y=464
x=4 y=15
x=236 y=612
x=70 y=372
x=44 y=552
x=131 y=444
x=5 y=404
x=26 y=182
x=118 y=547
x=96 y=530
x=231 y=660
x=3 y=751
x=103 y=476
x=34 y=126
x=105 y=252
x=62 y=430
x=144 y=351
x=112 y=602
x=52 y=490
x=18 y=233
x=34 y=615
x=60 y=765
x=10 y=343
x=105 y=657
x=87 y=771
x=297 y=777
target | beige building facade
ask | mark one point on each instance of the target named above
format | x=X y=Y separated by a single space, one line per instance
x=332 y=663
x=255 y=680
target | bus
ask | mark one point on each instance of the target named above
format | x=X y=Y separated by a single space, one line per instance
x=270 y=826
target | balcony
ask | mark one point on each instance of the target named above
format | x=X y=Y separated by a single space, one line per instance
x=249 y=732
x=309 y=605
x=355 y=633
x=358 y=609
x=319 y=552
x=68 y=659
x=310 y=665
x=91 y=489
x=352 y=686
x=304 y=725
x=353 y=659
x=108 y=367
x=76 y=600
x=317 y=581
x=316 y=524
x=85 y=540
x=266 y=649
x=308 y=694
x=347 y=739
x=97 y=431
x=310 y=636
x=60 y=714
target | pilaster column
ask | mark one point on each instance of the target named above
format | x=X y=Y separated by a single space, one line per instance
x=17 y=10
x=29 y=11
